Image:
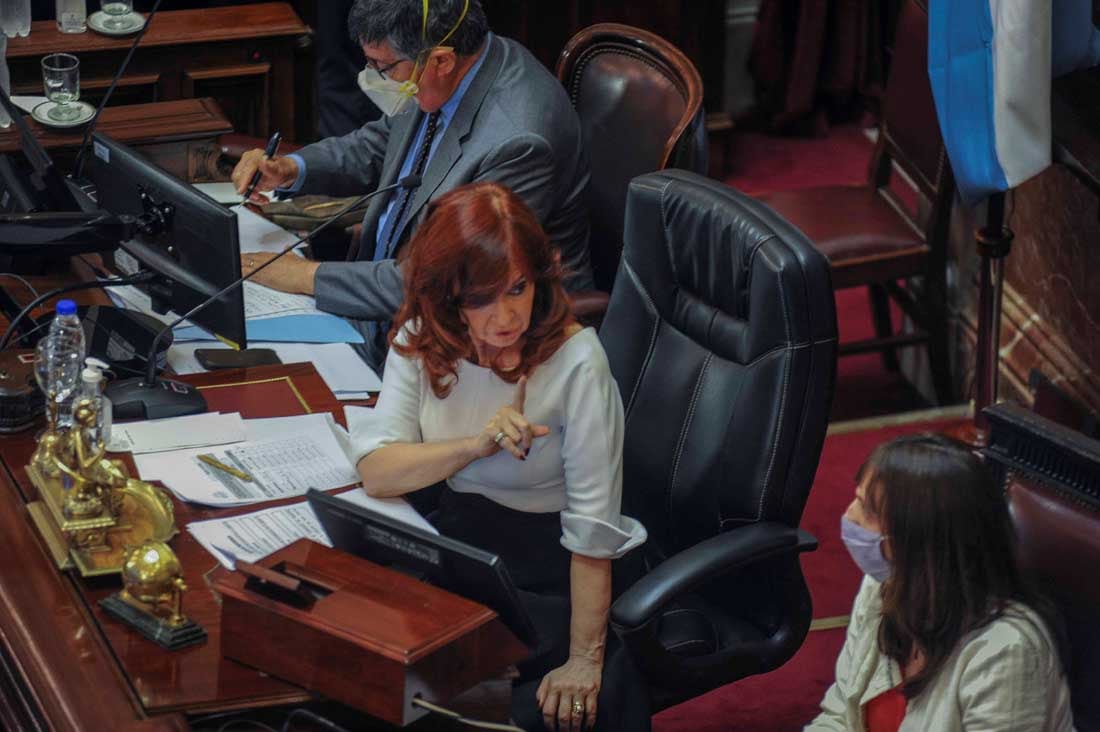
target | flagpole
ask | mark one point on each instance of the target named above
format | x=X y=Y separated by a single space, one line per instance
x=994 y=241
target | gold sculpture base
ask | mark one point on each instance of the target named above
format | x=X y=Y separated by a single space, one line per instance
x=95 y=545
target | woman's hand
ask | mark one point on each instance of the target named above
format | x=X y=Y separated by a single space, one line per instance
x=568 y=695
x=509 y=430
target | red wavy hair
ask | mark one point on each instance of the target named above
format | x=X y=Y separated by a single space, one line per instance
x=461 y=256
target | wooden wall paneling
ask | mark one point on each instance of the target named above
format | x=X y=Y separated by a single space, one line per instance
x=244 y=92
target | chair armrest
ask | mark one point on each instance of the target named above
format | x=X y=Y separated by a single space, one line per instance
x=233 y=145
x=589 y=306
x=701 y=563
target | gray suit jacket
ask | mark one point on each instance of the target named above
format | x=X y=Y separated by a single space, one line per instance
x=515 y=125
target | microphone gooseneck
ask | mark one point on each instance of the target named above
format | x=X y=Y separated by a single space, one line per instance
x=409 y=181
x=78 y=168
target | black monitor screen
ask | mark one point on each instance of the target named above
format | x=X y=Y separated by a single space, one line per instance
x=201 y=236
x=447 y=563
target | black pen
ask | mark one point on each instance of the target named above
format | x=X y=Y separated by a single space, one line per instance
x=269 y=152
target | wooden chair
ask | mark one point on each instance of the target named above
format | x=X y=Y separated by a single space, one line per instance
x=640 y=103
x=869 y=236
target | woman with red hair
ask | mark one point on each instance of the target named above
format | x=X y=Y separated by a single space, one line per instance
x=492 y=387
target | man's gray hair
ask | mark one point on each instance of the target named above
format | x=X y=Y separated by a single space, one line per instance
x=401 y=23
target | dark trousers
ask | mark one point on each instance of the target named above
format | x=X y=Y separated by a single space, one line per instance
x=528 y=544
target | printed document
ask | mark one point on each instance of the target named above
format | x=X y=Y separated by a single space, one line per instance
x=253 y=536
x=174 y=433
x=285 y=457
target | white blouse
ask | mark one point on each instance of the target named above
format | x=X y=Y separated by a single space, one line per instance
x=575 y=470
x=1004 y=677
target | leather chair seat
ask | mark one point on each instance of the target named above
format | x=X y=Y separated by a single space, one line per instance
x=694 y=627
x=856 y=228
x=848 y=224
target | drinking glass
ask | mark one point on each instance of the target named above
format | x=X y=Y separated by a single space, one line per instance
x=119 y=14
x=61 y=78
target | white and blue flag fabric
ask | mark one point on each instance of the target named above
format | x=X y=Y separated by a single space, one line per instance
x=990 y=63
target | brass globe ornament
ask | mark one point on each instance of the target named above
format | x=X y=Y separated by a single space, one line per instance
x=151 y=599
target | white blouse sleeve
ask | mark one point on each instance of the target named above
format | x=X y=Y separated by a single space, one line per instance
x=592 y=452
x=396 y=414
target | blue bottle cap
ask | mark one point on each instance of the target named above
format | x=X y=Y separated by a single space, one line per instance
x=66 y=307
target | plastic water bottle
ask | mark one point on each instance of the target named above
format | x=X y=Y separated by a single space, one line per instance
x=5 y=78
x=8 y=11
x=67 y=338
x=22 y=17
x=91 y=387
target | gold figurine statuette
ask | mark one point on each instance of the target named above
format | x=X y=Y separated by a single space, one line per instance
x=89 y=509
x=151 y=599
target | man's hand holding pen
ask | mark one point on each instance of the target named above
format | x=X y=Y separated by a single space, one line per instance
x=274 y=172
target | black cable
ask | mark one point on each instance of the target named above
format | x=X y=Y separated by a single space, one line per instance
x=257 y=725
x=79 y=166
x=138 y=278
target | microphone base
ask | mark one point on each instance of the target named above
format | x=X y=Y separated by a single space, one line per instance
x=136 y=399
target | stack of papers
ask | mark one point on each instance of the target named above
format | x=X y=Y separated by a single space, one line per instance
x=253 y=536
x=281 y=457
x=175 y=433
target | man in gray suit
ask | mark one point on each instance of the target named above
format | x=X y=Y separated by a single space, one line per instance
x=485 y=110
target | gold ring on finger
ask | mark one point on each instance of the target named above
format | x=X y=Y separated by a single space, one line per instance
x=500 y=437
x=578 y=707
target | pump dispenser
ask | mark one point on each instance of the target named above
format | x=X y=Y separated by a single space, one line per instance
x=92 y=388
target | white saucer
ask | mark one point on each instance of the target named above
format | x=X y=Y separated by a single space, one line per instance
x=97 y=19
x=39 y=113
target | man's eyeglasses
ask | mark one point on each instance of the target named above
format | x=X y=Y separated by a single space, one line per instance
x=382 y=70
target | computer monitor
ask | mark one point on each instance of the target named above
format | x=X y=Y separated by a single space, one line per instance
x=460 y=568
x=201 y=234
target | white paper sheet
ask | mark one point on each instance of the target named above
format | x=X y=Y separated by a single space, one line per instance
x=285 y=456
x=253 y=536
x=174 y=433
x=257 y=234
x=338 y=364
x=225 y=192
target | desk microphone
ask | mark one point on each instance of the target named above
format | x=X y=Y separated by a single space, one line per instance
x=149 y=398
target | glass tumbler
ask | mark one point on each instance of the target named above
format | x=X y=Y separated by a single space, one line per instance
x=120 y=14
x=61 y=79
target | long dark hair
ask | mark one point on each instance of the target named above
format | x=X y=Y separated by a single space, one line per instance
x=953 y=550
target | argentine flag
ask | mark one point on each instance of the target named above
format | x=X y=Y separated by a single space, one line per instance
x=990 y=63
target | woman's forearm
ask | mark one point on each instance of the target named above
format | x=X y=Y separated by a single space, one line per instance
x=400 y=468
x=590 y=594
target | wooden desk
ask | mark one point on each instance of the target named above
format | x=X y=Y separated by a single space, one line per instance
x=179 y=136
x=60 y=651
x=243 y=55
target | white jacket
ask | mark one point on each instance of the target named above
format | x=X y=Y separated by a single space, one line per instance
x=1004 y=677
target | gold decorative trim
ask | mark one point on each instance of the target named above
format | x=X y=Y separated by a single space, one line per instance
x=289 y=381
x=830 y=623
x=936 y=414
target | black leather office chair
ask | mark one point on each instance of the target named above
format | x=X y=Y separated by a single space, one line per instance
x=721 y=334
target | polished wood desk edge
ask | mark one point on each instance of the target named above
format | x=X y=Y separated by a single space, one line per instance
x=191 y=118
x=230 y=23
x=35 y=642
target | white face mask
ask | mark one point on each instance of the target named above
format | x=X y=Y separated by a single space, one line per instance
x=391 y=96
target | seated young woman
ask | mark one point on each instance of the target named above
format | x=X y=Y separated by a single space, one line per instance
x=492 y=387
x=946 y=633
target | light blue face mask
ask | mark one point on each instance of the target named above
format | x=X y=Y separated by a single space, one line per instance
x=865 y=546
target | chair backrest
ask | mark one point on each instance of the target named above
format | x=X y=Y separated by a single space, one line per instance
x=909 y=132
x=1053 y=493
x=721 y=334
x=639 y=100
